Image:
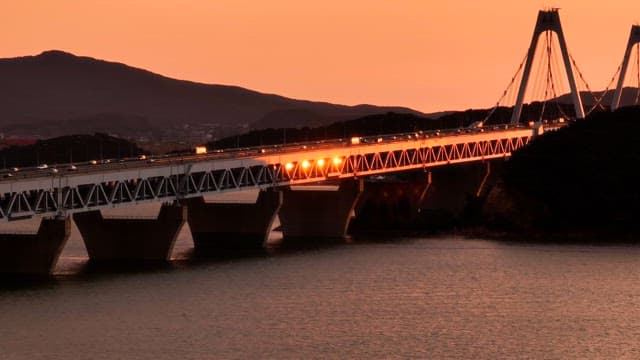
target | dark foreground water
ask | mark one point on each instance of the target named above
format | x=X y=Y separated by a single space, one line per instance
x=402 y=298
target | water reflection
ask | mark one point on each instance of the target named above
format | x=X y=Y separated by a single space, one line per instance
x=445 y=297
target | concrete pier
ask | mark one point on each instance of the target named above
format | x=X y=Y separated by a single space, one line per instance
x=454 y=186
x=233 y=226
x=34 y=254
x=391 y=203
x=319 y=213
x=113 y=239
x=435 y=199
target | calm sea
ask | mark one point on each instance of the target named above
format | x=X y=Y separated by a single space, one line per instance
x=427 y=298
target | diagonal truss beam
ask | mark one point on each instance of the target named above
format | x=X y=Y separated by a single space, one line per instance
x=73 y=192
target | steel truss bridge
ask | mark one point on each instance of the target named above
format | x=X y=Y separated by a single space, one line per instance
x=43 y=192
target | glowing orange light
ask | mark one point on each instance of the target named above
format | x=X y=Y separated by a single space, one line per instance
x=320 y=162
x=337 y=161
x=305 y=164
x=288 y=166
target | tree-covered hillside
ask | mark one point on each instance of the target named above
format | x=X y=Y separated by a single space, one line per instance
x=585 y=175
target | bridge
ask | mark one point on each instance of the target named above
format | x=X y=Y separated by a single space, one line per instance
x=180 y=182
x=56 y=193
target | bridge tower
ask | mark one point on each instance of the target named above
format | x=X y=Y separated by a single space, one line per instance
x=548 y=20
x=634 y=38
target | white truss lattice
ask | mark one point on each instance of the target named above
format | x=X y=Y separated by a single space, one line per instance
x=176 y=178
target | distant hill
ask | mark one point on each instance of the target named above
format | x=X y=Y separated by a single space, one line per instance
x=628 y=98
x=67 y=149
x=371 y=125
x=387 y=123
x=57 y=93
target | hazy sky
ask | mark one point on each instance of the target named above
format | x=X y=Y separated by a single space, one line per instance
x=423 y=54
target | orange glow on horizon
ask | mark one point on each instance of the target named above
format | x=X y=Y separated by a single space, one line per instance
x=430 y=56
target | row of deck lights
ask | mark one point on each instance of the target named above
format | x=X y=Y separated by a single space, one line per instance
x=319 y=163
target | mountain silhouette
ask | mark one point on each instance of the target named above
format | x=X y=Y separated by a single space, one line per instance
x=58 y=93
x=628 y=98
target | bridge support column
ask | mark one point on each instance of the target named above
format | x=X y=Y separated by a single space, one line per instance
x=441 y=198
x=453 y=185
x=457 y=193
x=34 y=254
x=115 y=239
x=319 y=214
x=232 y=226
x=391 y=203
x=484 y=183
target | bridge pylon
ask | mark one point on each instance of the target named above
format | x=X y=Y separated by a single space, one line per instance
x=634 y=38
x=548 y=20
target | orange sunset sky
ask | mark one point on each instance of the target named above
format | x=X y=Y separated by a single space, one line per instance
x=428 y=55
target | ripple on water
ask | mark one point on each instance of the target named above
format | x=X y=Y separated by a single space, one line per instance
x=420 y=298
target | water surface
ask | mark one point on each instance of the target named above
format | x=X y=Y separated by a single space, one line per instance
x=402 y=298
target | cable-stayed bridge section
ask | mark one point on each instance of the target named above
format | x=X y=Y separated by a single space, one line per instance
x=548 y=71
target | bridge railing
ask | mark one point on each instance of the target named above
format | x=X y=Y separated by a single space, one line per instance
x=174 y=178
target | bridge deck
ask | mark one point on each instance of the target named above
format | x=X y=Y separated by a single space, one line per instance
x=42 y=192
